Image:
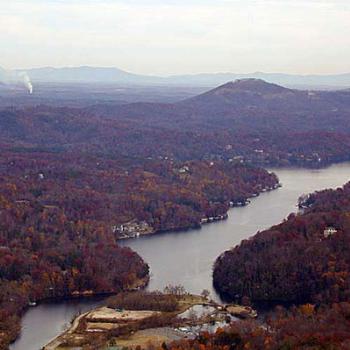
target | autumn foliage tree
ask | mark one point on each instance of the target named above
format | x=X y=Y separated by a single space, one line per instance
x=295 y=261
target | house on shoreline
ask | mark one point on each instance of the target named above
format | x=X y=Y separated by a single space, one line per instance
x=132 y=229
x=329 y=231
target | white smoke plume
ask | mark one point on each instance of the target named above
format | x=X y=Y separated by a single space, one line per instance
x=12 y=77
x=26 y=81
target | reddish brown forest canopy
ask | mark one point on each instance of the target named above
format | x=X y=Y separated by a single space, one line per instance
x=304 y=259
x=70 y=176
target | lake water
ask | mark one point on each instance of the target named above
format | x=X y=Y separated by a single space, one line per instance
x=187 y=257
x=44 y=322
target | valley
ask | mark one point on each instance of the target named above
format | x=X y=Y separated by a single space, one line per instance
x=77 y=183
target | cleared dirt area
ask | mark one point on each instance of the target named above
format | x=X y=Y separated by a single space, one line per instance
x=108 y=315
x=100 y=326
x=183 y=316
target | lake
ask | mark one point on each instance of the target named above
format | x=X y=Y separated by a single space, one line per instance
x=187 y=257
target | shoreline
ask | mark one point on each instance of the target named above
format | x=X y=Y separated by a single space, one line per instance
x=204 y=220
x=138 y=285
x=324 y=180
x=144 y=282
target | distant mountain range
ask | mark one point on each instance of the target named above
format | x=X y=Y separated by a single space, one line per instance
x=88 y=74
x=290 y=80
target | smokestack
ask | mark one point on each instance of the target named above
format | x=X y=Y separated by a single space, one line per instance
x=26 y=81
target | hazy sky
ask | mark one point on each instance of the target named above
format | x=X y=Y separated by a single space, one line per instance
x=178 y=36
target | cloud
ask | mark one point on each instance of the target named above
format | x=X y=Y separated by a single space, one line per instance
x=175 y=36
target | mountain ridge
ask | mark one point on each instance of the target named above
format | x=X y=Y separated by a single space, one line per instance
x=92 y=74
x=250 y=85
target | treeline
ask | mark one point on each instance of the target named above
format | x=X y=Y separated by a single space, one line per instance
x=302 y=328
x=155 y=301
x=304 y=259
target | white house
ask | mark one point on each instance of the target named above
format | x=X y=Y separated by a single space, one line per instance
x=329 y=231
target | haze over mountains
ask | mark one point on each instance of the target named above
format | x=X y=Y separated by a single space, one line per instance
x=253 y=102
x=249 y=105
x=2 y=74
x=251 y=119
x=114 y=75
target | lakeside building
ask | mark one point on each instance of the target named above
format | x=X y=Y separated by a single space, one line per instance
x=329 y=231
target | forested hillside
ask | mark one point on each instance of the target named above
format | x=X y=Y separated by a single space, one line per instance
x=249 y=120
x=304 y=259
x=45 y=254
